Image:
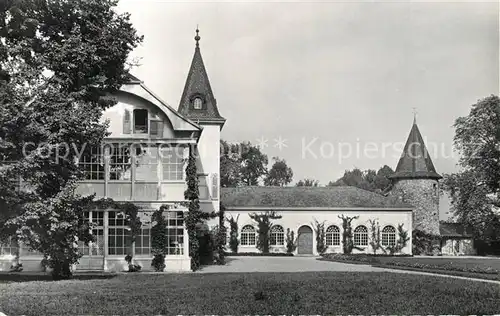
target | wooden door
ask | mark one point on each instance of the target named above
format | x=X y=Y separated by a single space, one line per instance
x=305 y=241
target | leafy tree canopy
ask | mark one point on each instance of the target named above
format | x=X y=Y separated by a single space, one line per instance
x=475 y=190
x=280 y=174
x=307 y=183
x=371 y=180
x=241 y=164
x=59 y=60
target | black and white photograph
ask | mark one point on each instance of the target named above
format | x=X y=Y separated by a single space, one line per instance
x=301 y=157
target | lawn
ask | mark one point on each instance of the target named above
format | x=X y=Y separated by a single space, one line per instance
x=252 y=293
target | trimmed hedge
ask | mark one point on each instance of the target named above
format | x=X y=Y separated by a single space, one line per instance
x=447 y=267
x=441 y=271
x=258 y=254
x=357 y=258
x=412 y=264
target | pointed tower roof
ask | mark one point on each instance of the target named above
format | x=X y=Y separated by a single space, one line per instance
x=198 y=87
x=415 y=162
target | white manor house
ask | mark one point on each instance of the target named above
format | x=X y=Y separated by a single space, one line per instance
x=144 y=162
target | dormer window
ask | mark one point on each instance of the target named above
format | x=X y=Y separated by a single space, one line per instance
x=140 y=121
x=197 y=104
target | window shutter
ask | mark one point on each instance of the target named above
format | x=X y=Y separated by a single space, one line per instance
x=156 y=128
x=215 y=186
x=127 y=123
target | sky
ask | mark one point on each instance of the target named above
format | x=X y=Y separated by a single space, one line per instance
x=327 y=85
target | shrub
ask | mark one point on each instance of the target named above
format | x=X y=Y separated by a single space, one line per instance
x=45 y=264
x=159 y=239
x=423 y=243
x=260 y=254
x=131 y=266
x=158 y=262
x=206 y=247
x=18 y=267
x=233 y=241
x=291 y=241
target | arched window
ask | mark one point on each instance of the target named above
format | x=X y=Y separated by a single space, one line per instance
x=388 y=236
x=277 y=236
x=197 y=104
x=333 y=236
x=248 y=236
x=361 y=236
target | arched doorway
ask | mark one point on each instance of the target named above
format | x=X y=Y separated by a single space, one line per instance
x=305 y=241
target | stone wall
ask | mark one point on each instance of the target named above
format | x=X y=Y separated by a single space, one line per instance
x=423 y=194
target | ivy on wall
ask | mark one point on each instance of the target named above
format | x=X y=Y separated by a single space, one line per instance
x=193 y=216
x=233 y=237
x=347 y=240
x=159 y=238
x=130 y=210
x=264 y=225
x=319 y=230
x=375 y=241
x=402 y=241
x=291 y=241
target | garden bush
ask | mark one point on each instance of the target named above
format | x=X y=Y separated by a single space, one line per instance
x=158 y=262
x=131 y=266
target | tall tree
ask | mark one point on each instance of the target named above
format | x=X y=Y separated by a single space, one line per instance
x=58 y=62
x=475 y=190
x=254 y=164
x=230 y=164
x=307 y=183
x=280 y=174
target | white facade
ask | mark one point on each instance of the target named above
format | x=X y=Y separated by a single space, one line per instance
x=295 y=218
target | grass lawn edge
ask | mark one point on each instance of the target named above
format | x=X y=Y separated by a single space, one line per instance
x=483 y=276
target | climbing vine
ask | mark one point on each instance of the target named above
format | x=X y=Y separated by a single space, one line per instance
x=347 y=241
x=159 y=238
x=375 y=236
x=264 y=225
x=291 y=241
x=402 y=241
x=193 y=216
x=221 y=237
x=319 y=229
x=130 y=210
x=233 y=237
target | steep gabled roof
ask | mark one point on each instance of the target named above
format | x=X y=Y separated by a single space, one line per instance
x=307 y=197
x=198 y=85
x=415 y=162
x=137 y=87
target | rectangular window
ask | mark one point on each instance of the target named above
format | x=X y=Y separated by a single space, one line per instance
x=120 y=162
x=146 y=168
x=9 y=247
x=172 y=161
x=119 y=239
x=143 y=242
x=156 y=128
x=175 y=232
x=140 y=121
x=27 y=252
x=215 y=186
x=92 y=164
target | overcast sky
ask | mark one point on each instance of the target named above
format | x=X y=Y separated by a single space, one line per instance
x=327 y=75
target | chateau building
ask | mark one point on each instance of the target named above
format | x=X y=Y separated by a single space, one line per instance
x=143 y=161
